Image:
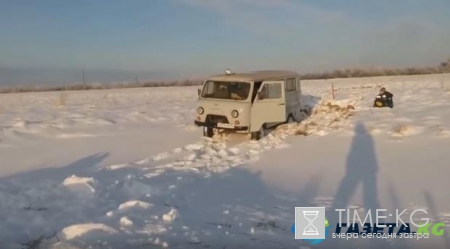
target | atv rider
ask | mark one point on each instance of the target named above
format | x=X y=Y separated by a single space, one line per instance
x=384 y=99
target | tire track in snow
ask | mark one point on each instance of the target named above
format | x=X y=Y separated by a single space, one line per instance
x=225 y=151
x=214 y=155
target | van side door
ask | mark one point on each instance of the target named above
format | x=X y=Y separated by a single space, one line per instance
x=292 y=97
x=269 y=106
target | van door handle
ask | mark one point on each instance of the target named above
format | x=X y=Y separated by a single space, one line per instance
x=281 y=104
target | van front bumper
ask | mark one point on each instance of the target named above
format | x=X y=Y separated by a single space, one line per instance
x=214 y=125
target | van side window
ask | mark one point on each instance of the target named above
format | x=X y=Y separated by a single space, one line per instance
x=271 y=91
x=208 y=89
x=291 y=85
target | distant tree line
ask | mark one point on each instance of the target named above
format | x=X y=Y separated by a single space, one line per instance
x=97 y=86
x=443 y=67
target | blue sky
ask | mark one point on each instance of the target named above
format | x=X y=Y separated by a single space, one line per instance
x=51 y=41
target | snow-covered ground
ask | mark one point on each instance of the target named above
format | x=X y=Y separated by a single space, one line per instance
x=126 y=168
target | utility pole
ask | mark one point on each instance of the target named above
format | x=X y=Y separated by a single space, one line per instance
x=84 y=77
x=443 y=66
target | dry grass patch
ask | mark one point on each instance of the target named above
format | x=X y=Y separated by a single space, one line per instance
x=62 y=99
x=331 y=115
x=402 y=130
x=302 y=131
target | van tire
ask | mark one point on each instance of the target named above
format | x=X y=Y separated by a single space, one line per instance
x=257 y=135
x=208 y=131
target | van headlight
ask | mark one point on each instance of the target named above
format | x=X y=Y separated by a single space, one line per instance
x=200 y=110
x=235 y=114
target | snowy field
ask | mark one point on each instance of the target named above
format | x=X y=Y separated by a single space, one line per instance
x=126 y=168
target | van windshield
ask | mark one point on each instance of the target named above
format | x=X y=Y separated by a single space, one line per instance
x=226 y=90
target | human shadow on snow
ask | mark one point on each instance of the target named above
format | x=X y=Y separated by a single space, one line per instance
x=361 y=169
x=230 y=208
x=35 y=203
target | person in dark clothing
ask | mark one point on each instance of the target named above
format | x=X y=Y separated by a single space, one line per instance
x=384 y=99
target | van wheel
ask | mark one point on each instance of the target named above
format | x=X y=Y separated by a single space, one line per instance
x=257 y=135
x=208 y=131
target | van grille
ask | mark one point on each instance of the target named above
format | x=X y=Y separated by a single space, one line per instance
x=214 y=119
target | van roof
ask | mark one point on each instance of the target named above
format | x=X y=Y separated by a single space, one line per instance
x=255 y=76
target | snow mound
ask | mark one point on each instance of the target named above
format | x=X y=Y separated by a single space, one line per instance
x=82 y=186
x=193 y=147
x=170 y=216
x=326 y=117
x=136 y=189
x=64 y=245
x=443 y=132
x=134 y=204
x=78 y=230
x=124 y=221
x=161 y=156
x=118 y=166
x=75 y=135
x=402 y=130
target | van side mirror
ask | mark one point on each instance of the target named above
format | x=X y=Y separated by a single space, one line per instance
x=199 y=92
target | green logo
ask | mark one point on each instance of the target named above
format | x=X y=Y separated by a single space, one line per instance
x=437 y=229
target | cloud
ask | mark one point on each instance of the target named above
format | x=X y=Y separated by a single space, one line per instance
x=317 y=38
x=269 y=17
x=221 y=5
x=404 y=41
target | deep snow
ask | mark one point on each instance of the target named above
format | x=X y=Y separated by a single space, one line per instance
x=126 y=168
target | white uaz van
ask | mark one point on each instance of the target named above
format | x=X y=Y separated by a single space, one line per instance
x=249 y=102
